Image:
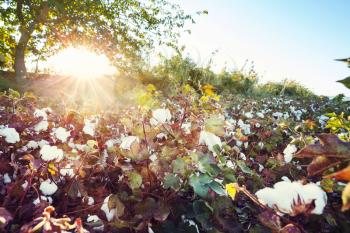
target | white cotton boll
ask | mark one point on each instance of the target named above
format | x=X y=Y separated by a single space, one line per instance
x=49 y=153
x=32 y=144
x=61 y=134
x=285 y=194
x=288 y=152
x=242 y=156
x=10 y=134
x=67 y=171
x=312 y=192
x=153 y=157
x=160 y=116
x=42 y=143
x=186 y=127
x=90 y=126
x=42 y=113
x=230 y=164
x=244 y=127
x=259 y=114
x=110 y=213
x=7 y=178
x=91 y=201
x=41 y=126
x=261 y=145
x=150 y=230
x=111 y=142
x=210 y=140
x=161 y=136
x=128 y=141
x=249 y=115
x=261 y=167
x=93 y=218
x=48 y=187
x=43 y=198
x=25 y=184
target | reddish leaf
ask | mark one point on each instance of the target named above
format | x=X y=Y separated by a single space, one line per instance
x=5 y=217
x=318 y=165
x=343 y=174
x=330 y=146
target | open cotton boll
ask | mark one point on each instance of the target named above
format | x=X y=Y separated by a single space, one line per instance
x=288 y=152
x=48 y=187
x=90 y=126
x=41 y=126
x=110 y=213
x=61 y=134
x=49 y=153
x=186 y=127
x=42 y=113
x=210 y=140
x=160 y=116
x=10 y=134
x=286 y=194
x=128 y=141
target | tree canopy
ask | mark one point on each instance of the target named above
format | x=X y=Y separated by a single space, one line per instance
x=122 y=29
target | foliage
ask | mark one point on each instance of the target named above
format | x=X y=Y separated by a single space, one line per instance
x=123 y=172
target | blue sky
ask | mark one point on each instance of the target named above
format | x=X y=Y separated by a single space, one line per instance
x=296 y=40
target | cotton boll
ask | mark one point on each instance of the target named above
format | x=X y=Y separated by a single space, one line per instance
x=6 y=178
x=41 y=126
x=186 y=127
x=49 y=153
x=48 y=187
x=110 y=213
x=249 y=115
x=128 y=141
x=259 y=114
x=210 y=140
x=42 y=113
x=288 y=152
x=285 y=194
x=61 y=134
x=10 y=134
x=90 y=126
x=67 y=171
x=32 y=144
x=160 y=116
x=312 y=192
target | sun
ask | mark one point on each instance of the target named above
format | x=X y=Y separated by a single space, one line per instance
x=80 y=62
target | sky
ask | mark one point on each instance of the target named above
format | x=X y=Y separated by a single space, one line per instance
x=296 y=40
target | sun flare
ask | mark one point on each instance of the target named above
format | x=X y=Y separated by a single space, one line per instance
x=80 y=62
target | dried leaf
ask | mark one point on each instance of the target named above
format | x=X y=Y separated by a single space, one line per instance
x=330 y=146
x=343 y=174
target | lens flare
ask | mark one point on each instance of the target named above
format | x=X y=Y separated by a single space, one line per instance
x=81 y=63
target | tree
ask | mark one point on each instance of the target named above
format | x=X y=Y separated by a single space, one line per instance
x=121 y=28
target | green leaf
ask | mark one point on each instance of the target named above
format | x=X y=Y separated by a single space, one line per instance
x=171 y=181
x=200 y=184
x=345 y=82
x=243 y=166
x=178 y=166
x=216 y=187
x=135 y=180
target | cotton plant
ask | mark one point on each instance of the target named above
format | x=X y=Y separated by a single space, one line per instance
x=48 y=187
x=126 y=142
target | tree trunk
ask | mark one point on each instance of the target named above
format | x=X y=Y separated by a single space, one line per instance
x=20 y=65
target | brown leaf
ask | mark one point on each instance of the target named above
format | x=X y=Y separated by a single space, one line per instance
x=318 y=165
x=270 y=220
x=343 y=174
x=330 y=146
